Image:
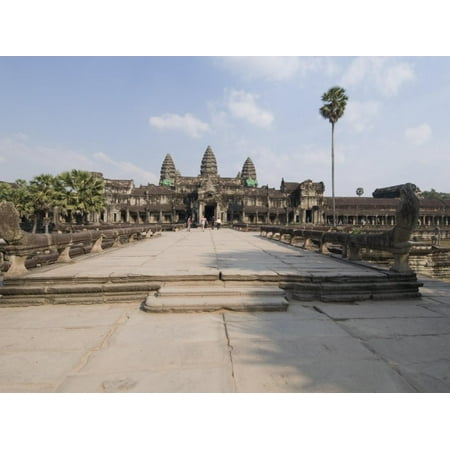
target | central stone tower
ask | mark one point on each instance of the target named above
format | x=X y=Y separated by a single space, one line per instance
x=248 y=174
x=209 y=163
x=168 y=171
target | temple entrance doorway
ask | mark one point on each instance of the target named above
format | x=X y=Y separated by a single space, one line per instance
x=210 y=212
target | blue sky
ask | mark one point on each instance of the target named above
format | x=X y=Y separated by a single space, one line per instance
x=121 y=115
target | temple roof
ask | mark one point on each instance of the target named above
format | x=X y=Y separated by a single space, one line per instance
x=289 y=187
x=168 y=171
x=152 y=189
x=248 y=170
x=209 y=164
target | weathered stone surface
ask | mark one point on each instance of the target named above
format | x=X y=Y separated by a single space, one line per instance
x=325 y=373
x=395 y=327
x=185 y=380
x=119 y=348
x=9 y=223
x=372 y=310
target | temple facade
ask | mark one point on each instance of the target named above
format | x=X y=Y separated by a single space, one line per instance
x=232 y=200
x=241 y=200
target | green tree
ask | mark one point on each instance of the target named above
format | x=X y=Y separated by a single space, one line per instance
x=6 y=192
x=79 y=193
x=433 y=194
x=22 y=199
x=43 y=195
x=333 y=109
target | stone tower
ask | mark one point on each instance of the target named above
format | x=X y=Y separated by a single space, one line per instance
x=209 y=164
x=168 y=171
x=248 y=174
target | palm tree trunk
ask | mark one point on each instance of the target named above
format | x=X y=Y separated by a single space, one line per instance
x=46 y=222
x=35 y=221
x=332 y=174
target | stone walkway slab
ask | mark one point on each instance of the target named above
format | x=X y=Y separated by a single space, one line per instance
x=382 y=346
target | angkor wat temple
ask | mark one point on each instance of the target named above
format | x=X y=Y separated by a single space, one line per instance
x=241 y=200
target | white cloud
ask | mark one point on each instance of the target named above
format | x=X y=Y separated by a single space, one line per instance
x=23 y=158
x=243 y=105
x=360 y=115
x=386 y=74
x=125 y=168
x=276 y=68
x=418 y=135
x=188 y=124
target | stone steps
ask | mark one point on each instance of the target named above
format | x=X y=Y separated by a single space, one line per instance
x=34 y=292
x=203 y=298
x=347 y=289
x=197 y=293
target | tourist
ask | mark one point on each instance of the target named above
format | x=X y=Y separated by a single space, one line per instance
x=218 y=223
x=436 y=238
x=189 y=223
x=203 y=223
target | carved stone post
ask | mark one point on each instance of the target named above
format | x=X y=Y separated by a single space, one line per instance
x=307 y=245
x=401 y=258
x=64 y=256
x=97 y=247
x=324 y=247
x=354 y=253
x=401 y=262
x=17 y=268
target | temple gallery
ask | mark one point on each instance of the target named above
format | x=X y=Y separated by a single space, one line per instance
x=240 y=199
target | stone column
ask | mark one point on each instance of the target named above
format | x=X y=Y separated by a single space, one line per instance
x=302 y=216
x=217 y=211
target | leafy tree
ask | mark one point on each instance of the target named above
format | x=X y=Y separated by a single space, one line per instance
x=433 y=194
x=6 y=192
x=335 y=102
x=43 y=195
x=79 y=193
x=22 y=199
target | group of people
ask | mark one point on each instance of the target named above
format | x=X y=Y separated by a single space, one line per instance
x=213 y=223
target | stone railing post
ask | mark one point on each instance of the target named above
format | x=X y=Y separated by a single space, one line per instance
x=17 y=267
x=97 y=247
x=354 y=253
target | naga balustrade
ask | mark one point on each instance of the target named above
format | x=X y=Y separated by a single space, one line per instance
x=23 y=249
x=396 y=240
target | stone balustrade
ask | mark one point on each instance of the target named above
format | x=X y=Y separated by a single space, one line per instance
x=396 y=240
x=21 y=250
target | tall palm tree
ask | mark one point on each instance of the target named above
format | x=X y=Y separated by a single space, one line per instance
x=42 y=189
x=83 y=193
x=335 y=102
x=22 y=199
